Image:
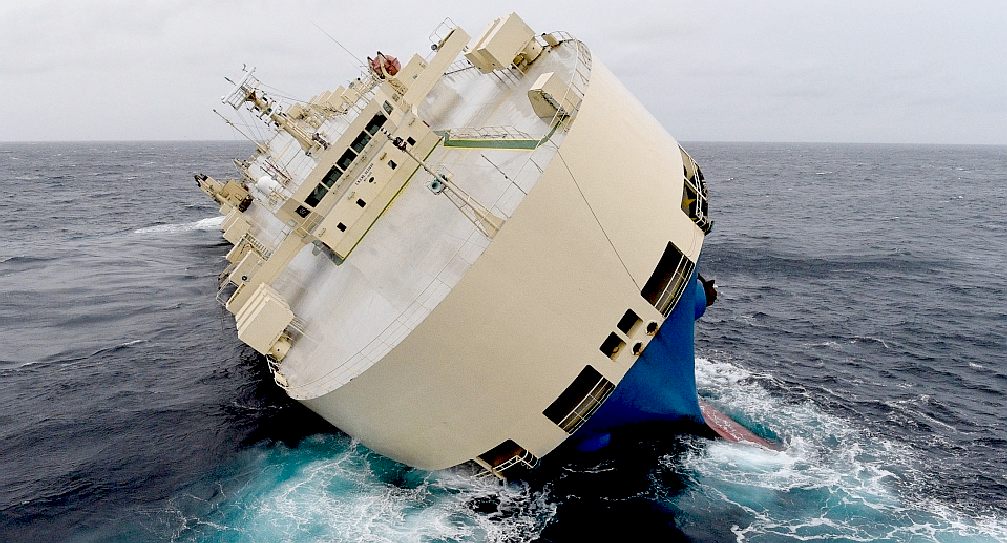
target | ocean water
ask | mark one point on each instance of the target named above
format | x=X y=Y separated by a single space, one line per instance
x=862 y=321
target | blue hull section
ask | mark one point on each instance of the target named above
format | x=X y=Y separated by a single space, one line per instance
x=661 y=386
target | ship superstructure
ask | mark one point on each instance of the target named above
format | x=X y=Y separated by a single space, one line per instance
x=466 y=256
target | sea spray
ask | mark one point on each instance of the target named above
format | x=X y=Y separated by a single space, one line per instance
x=208 y=223
x=834 y=480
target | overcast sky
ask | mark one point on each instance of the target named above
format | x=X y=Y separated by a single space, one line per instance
x=795 y=70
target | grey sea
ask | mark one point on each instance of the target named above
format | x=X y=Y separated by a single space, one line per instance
x=862 y=321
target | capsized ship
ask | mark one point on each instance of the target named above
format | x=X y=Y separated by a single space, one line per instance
x=475 y=255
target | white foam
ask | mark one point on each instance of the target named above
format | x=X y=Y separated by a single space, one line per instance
x=835 y=479
x=208 y=223
x=342 y=498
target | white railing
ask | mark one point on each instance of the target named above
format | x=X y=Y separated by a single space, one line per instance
x=441 y=32
x=583 y=411
x=524 y=458
x=673 y=291
x=488 y=132
x=459 y=65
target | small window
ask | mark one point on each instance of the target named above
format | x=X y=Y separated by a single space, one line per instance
x=628 y=321
x=387 y=107
x=331 y=177
x=611 y=345
x=341 y=227
x=360 y=142
x=361 y=203
x=302 y=211
x=392 y=164
x=375 y=123
x=316 y=195
x=370 y=180
x=347 y=159
x=580 y=400
x=410 y=141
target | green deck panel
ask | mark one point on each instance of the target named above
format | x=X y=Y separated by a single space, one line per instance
x=514 y=144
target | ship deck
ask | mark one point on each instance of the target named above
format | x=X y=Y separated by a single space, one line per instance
x=350 y=315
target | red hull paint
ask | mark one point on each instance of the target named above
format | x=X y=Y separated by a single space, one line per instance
x=730 y=430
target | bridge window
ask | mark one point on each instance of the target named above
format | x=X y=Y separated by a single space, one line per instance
x=316 y=195
x=345 y=160
x=331 y=177
x=375 y=123
x=360 y=142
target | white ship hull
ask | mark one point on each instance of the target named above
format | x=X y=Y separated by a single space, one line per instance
x=459 y=325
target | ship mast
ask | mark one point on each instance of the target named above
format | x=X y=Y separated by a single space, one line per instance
x=248 y=91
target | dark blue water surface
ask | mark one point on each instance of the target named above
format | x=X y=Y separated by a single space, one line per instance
x=862 y=320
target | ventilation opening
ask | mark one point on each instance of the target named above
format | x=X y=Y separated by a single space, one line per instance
x=651 y=328
x=611 y=345
x=629 y=322
x=508 y=457
x=580 y=400
x=695 y=199
x=392 y=164
x=670 y=277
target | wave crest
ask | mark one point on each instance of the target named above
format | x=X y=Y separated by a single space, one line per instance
x=208 y=223
x=835 y=479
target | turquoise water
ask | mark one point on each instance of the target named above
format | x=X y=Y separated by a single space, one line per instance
x=835 y=480
x=330 y=488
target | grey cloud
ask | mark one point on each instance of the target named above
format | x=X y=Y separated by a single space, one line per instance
x=726 y=70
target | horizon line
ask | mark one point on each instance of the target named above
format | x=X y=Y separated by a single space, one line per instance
x=822 y=142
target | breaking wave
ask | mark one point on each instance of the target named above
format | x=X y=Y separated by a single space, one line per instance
x=834 y=480
x=208 y=223
x=332 y=489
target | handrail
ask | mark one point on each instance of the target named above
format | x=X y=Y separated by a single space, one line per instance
x=526 y=458
x=587 y=406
